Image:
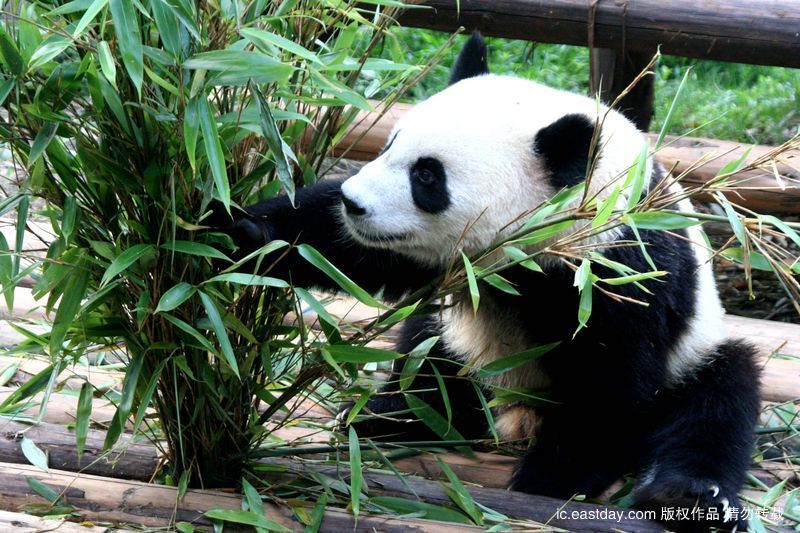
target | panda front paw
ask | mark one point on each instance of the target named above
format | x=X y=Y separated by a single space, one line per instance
x=249 y=233
x=687 y=503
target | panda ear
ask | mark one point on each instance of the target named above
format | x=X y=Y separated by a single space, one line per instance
x=471 y=60
x=563 y=147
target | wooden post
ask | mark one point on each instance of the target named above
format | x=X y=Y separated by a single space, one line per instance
x=612 y=71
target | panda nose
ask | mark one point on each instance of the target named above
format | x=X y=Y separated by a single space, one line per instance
x=352 y=208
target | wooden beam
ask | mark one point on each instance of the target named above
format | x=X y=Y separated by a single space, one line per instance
x=129 y=459
x=763 y=32
x=100 y=499
x=761 y=192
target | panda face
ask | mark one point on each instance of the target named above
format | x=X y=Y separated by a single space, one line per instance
x=463 y=168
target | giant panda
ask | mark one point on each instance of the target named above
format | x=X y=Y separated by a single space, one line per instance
x=654 y=390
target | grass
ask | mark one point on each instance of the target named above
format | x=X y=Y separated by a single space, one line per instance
x=746 y=103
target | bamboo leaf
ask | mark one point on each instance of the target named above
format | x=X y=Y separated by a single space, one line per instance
x=147 y=395
x=174 y=297
x=500 y=283
x=31 y=387
x=422 y=509
x=510 y=362
x=88 y=16
x=263 y=38
x=276 y=145
x=180 y=324
x=662 y=220
x=346 y=353
x=317 y=307
x=216 y=159
x=542 y=234
x=518 y=255
x=315 y=258
x=11 y=57
x=41 y=142
x=414 y=361
x=48 y=50
x=191 y=128
x=124 y=260
x=672 y=107
x=168 y=29
x=84 y=411
x=127 y=397
x=637 y=176
x=436 y=422
x=460 y=495
x=8 y=373
x=219 y=328
x=474 y=293
x=732 y=166
x=34 y=454
x=42 y=490
x=74 y=292
x=251 y=280
x=247 y=518
x=195 y=248
x=356 y=476
x=318 y=514
x=238 y=67
x=126 y=28
x=781 y=225
x=107 y=65
x=487 y=411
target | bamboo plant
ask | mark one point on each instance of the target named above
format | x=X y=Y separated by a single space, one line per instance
x=126 y=120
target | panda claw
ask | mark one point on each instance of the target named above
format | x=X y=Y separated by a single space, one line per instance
x=339 y=423
x=714 y=489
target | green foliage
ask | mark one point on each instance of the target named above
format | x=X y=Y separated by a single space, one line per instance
x=131 y=118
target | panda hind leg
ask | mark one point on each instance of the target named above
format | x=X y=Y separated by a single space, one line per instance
x=387 y=415
x=698 y=454
x=572 y=455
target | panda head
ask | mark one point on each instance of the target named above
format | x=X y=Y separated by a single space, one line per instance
x=463 y=168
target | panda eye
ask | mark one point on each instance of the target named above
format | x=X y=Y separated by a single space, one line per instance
x=425 y=176
x=427 y=171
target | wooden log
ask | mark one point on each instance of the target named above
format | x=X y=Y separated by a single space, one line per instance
x=758 y=189
x=778 y=344
x=121 y=501
x=763 y=191
x=25 y=523
x=762 y=33
x=63 y=408
x=129 y=459
x=540 y=509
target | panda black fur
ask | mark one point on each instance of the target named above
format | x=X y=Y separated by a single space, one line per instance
x=657 y=391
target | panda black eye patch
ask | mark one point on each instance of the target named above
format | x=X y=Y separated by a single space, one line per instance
x=429 y=185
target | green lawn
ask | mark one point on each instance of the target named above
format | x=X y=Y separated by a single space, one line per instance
x=747 y=103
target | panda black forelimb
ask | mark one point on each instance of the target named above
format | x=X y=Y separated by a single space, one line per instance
x=315 y=219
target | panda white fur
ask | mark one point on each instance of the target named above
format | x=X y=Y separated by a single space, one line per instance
x=656 y=391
